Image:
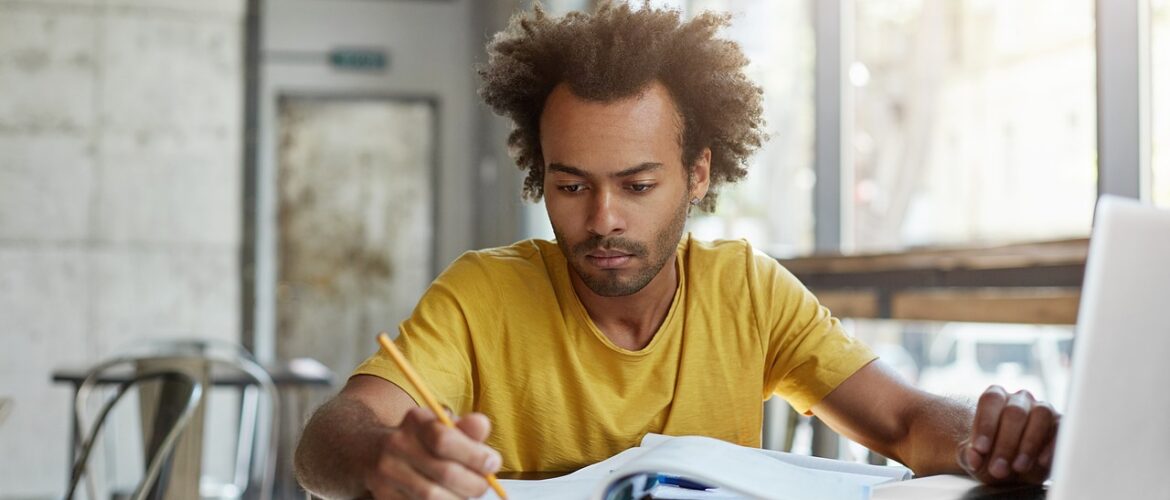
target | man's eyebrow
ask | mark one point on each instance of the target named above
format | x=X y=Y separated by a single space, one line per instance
x=558 y=167
x=645 y=167
x=637 y=169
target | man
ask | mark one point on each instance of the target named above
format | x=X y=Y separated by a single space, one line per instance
x=625 y=121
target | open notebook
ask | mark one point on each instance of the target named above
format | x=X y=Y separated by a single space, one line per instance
x=695 y=467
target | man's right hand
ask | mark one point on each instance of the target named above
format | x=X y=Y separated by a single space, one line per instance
x=422 y=458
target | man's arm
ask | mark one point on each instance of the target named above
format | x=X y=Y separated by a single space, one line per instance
x=372 y=439
x=1007 y=438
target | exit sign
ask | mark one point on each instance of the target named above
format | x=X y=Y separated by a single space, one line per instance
x=359 y=59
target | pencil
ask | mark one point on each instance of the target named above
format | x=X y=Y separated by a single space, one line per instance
x=429 y=398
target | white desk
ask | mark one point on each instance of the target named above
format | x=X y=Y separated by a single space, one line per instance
x=953 y=488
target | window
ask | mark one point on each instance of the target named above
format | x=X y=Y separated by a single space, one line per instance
x=963 y=359
x=772 y=207
x=1160 y=90
x=974 y=121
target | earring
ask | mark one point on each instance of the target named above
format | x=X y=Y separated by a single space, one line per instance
x=695 y=201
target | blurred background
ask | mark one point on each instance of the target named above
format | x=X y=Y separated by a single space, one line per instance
x=289 y=175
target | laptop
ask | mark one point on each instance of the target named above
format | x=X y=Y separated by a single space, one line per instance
x=1114 y=440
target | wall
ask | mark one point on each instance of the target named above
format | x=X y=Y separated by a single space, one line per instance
x=120 y=137
x=121 y=166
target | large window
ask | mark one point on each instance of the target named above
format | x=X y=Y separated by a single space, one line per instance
x=1160 y=118
x=772 y=208
x=974 y=121
x=963 y=359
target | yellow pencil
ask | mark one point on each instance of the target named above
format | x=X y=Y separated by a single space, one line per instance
x=428 y=398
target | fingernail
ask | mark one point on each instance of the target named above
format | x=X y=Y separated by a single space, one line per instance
x=983 y=444
x=999 y=468
x=1022 y=463
x=492 y=463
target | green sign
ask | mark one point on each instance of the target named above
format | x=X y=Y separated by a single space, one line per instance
x=359 y=59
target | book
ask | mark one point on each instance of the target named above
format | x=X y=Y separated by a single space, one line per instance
x=700 y=468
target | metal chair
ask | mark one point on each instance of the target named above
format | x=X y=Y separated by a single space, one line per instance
x=174 y=426
x=257 y=443
x=255 y=460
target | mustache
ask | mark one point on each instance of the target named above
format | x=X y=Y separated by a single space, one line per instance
x=618 y=243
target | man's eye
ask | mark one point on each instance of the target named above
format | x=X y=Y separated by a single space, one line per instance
x=571 y=188
x=641 y=188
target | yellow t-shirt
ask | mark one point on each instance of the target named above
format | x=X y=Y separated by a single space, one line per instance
x=502 y=332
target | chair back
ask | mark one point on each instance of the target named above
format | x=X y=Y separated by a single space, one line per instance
x=255 y=460
x=169 y=424
x=256 y=453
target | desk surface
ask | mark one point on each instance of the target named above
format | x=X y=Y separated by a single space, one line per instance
x=954 y=488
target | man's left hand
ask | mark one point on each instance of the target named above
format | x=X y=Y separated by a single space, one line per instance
x=1013 y=438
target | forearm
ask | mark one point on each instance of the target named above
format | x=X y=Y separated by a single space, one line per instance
x=934 y=431
x=339 y=443
x=878 y=409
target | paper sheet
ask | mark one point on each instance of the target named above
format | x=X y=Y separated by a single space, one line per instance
x=752 y=472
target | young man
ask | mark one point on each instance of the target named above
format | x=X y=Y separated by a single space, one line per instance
x=626 y=120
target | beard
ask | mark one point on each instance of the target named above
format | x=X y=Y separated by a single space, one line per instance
x=653 y=256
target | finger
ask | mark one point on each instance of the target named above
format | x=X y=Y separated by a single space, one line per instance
x=969 y=459
x=453 y=476
x=452 y=444
x=1046 y=456
x=414 y=441
x=1012 y=420
x=991 y=403
x=1035 y=435
x=475 y=425
x=396 y=479
x=389 y=493
x=417 y=416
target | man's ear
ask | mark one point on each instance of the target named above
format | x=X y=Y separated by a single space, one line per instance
x=700 y=177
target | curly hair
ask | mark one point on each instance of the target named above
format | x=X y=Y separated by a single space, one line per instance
x=616 y=53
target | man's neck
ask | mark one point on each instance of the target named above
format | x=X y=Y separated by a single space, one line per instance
x=631 y=321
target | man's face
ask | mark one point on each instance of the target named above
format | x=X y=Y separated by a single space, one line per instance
x=615 y=186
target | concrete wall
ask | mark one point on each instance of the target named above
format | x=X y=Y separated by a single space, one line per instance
x=120 y=175
x=120 y=137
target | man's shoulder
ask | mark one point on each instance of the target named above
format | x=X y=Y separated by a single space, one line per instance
x=524 y=259
x=716 y=248
x=720 y=254
x=523 y=255
x=729 y=261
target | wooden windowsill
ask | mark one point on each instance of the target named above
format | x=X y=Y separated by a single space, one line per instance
x=1023 y=283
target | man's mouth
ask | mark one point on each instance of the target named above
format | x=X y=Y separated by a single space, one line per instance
x=608 y=259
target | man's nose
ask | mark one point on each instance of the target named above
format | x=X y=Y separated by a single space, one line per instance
x=605 y=216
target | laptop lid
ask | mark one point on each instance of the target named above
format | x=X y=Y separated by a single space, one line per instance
x=1114 y=439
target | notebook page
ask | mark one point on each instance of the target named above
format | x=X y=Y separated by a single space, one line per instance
x=741 y=470
x=896 y=473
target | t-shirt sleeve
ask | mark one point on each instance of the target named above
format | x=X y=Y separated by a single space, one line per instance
x=809 y=353
x=436 y=341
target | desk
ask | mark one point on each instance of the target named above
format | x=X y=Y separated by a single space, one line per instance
x=948 y=487
x=294 y=380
